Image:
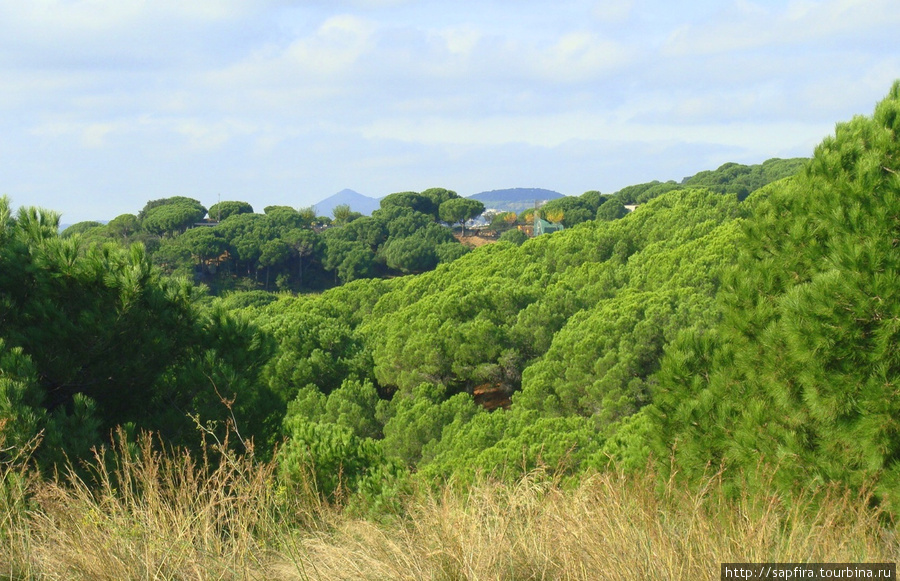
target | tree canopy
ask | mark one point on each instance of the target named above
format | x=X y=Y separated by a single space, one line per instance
x=734 y=321
x=460 y=210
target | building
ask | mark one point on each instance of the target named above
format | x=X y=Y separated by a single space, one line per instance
x=542 y=226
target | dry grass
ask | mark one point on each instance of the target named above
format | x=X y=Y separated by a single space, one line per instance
x=609 y=527
x=143 y=514
x=171 y=516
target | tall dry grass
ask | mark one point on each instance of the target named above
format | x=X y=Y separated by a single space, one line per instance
x=611 y=526
x=138 y=513
x=150 y=515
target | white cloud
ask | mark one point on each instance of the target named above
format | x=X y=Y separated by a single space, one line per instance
x=580 y=56
x=91 y=16
x=205 y=136
x=94 y=135
x=460 y=40
x=613 y=11
x=555 y=130
x=289 y=95
x=196 y=135
x=336 y=46
x=746 y=25
x=312 y=68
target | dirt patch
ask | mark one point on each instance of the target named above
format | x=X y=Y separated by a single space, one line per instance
x=476 y=240
x=491 y=396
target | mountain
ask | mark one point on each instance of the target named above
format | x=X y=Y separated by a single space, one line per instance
x=357 y=202
x=515 y=199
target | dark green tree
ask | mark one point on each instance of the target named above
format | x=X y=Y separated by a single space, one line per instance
x=795 y=388
x=273 y=253
x=81 y=228
x=460 y=210
x=358 y=263
x=174 y=216
x=414 y=201
x=222 y=210
x=305 y=245
x=612 y=210
x=439 y=196
x=411 y=254
x=124 y=226
x=204 y=243
x=574 y=210
x=514 y=236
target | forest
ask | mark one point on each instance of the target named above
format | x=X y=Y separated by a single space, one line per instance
x=730 y=345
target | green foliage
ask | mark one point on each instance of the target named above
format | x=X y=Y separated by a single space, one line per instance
x=499 y=308
x=400 y=221
x=700 y=328
x=328 y=456
x=411 y=254
x=171 y=215
x=369 y=232
x=730 y=178
x=93 y=337
x=397 y=236
x=450 y=251
x=460 y=210
x=242 y=300
x=203 y=243
x=353 y=405
x=305 y=245
x=422 y=203
x=274 y=252
x=331 y=442
x=439 y=196
x=342 y=214
x=318 y=342
x=593 y=199
x=628 y=445
x=801 y=372
x=123 y=226
x=414 y=421
x=222 y=210
x=282 y=248
x=516 y=237
x=174 y=258
x=80 y=228
x=601 y=362
x=611 y=210
x=643 y=193
x=508 y=445
x=574 y=210
x=742 y=180
x=21 y=411
x=358 y=263
x=503 y=221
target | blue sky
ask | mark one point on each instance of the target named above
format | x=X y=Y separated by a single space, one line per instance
x=106 y=104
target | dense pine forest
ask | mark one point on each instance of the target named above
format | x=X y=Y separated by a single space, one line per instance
x=718 y=367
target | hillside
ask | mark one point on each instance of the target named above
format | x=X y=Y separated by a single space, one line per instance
x=732 y=178
x=730 y=352
x=602 y=332
x=514 y=199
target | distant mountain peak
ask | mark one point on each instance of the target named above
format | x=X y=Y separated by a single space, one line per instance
x=357 y=202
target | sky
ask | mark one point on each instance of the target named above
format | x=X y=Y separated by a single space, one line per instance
x=107 y=104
